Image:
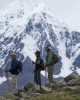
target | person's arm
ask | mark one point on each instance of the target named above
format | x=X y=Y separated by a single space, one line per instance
x=38 y=62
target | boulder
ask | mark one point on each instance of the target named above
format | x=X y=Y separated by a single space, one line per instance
x=72 y=76
x=24 y=95
x=7 y=96
x=68 y=89
x=55 y=85
x=19 y=99
x=68 y=78
x=74 y=89
x=2 y=98
x=74 y=82
x=28 y=86
x=77 y=89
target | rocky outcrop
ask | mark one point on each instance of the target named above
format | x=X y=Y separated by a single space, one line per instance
x=73 y=79
x=68 y=78
x=74 y=82
x=29 y=90
x=8 y=96
x=72 y=76
x=28 y=86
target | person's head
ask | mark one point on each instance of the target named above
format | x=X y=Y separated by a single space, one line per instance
x=37 y=53
x=13 y=56
x=47 y=48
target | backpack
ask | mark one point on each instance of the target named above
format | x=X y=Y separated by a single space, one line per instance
x=42 y=65
x=55 y=58
x=20 y=66
x=17 y=69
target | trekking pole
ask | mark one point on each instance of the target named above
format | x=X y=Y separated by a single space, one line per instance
x=7 y=76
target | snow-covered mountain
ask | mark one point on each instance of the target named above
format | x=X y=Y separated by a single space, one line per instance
x=25 y=28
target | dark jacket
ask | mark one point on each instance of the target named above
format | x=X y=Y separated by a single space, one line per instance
x=14 y=65
x=37 y=64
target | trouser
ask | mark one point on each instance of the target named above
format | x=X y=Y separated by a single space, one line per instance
x=14 y=82
x=50 y=73
x=37 y=77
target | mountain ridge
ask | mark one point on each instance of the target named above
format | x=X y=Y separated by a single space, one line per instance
x=25 y=34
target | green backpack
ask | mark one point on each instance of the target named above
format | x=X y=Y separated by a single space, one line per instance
x=55 y=58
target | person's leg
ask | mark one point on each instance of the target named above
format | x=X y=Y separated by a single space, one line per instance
x=14 y=82
x=35 y=77
x=39 y=78
x=39 y=81
x=50 y=74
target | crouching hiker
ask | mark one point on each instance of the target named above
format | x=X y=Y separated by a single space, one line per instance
x=16 y=68
x=38 y=67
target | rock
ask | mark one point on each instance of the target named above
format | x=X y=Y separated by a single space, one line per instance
x=74 y=73
x=21 y=90
x=2 y=98
x=35 y=89
x=74 y=82
x=55 y=86
x=28 y=86
x=17 y=93
x=72 y=76
x=7 y=96
x=67 y=89
x=24 y=95
x=77 y=89
x=68 y=78
x=19 y=99
x=42 y=90
x=46 y=89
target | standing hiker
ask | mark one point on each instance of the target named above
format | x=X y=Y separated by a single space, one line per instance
x=37 y=77
x=16 y=68
x=51 y=59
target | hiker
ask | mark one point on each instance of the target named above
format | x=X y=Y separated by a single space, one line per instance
x=37 y=77
x=15 y=69
x=49 y=63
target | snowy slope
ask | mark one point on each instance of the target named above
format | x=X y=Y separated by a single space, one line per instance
x=23 y=31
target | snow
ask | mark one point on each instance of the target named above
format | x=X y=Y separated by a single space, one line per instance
x=2 y=79
x=29 y=47
x=30 y=41
x=78 y=70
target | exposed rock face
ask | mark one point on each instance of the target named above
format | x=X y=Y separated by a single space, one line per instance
x=7 y=97
x=68 y=78
x=30 y=90
x=72 y=76
x=77 y=89
x=25 y=34
x=74 y=82
x=28 y=86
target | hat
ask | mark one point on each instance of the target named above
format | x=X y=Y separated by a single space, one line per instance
x=13 y=54
x=37 y=52
x=47 y=46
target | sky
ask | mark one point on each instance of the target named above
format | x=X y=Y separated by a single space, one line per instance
x=67 y=11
